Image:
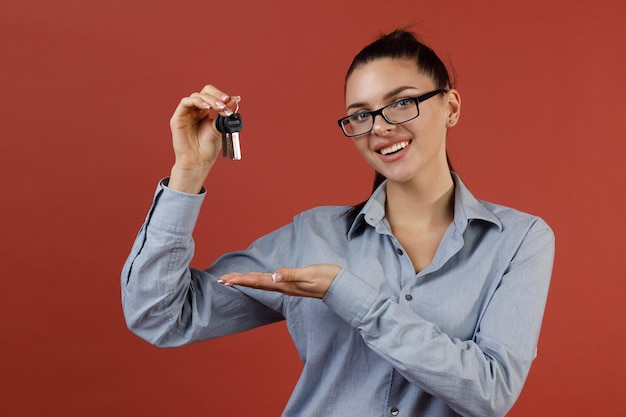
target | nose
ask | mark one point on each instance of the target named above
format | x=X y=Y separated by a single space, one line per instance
x=381 y=127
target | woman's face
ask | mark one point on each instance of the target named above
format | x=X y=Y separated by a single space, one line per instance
x=407 y=151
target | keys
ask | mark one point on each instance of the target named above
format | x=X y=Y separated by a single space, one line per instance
x=230 y=127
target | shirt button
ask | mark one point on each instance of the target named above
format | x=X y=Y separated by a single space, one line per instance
x=394 y=411
x=408 y=297
x=399 y=251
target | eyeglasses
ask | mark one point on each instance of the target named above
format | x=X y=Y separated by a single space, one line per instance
x=395 y=113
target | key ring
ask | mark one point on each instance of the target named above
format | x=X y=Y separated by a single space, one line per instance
x=236 y=108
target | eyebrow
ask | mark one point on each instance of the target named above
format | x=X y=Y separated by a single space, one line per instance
x=387 y=96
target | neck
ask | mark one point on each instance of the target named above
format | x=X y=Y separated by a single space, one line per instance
x=421 y=203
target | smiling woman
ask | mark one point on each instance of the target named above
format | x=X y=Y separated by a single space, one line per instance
x=421 y=301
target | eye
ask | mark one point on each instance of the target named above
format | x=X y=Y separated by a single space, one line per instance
x=359 y=117
x=400 y=104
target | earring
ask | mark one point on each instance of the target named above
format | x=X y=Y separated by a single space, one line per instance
x=451 y=121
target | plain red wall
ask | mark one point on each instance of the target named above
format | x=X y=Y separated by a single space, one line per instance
x=87 y=89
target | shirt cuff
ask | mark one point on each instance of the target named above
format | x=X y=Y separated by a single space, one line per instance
x=175 y=211
x=350 y=297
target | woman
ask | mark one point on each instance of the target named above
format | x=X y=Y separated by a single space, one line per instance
x=421 y=301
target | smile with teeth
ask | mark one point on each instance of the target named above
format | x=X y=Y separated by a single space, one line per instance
x=394 y=148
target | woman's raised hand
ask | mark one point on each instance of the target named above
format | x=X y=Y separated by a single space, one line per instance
x=196 y=141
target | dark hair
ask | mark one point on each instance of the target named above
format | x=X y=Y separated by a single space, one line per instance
x=403 y=44
x=400 y=44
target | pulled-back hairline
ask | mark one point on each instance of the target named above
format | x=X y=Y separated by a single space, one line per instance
x=402 y=44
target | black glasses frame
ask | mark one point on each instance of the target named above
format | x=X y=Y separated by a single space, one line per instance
x=419 y=99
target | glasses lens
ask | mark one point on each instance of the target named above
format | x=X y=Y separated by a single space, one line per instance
x=401 y=111
x=357 y=124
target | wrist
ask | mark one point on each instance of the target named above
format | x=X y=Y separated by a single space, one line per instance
x=188 y=180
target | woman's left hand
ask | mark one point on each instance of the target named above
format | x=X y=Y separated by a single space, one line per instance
x=310 y=281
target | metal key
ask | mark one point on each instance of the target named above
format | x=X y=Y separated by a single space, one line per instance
x=230 y=127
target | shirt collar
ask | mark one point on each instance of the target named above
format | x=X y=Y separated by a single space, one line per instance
x=466 y=208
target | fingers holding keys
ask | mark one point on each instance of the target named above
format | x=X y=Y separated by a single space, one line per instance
x=218 y=100
x=212 y=98
x=195 y=107
x=310 y=281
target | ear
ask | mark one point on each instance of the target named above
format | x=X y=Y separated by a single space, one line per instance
x=454 y=107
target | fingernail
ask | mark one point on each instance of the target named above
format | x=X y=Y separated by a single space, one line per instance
x=207 y=105
x=220 y=281
x=220 y=105
x=277 y=277
x=228 y=112
x=224 y=97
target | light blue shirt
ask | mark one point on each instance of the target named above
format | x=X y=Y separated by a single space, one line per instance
x=458 y=338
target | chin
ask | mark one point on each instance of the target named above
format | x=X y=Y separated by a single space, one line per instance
x=398 y=177
x=399 y=180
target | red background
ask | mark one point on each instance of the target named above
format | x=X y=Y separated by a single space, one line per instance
x=87 y=89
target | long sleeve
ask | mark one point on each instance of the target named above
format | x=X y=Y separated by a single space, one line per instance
x=478 y=376
x=168 y=303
